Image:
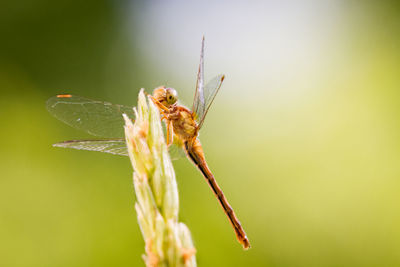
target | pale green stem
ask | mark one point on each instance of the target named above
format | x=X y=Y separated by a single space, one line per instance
x=167 y=241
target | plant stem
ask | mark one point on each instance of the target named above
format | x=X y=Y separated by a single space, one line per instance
x=167 y=241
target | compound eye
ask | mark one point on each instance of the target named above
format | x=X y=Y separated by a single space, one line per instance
x=171 y=96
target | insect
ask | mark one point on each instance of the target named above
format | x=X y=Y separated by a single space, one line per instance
x=105 y=120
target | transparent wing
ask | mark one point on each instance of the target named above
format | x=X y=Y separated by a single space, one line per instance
x=97 y=118
x=112 y=146
x=176 y=149
x=205 y=97
x=115 y=146
x=199 y=93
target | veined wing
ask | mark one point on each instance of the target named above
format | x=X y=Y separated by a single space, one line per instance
x=199 y=93
x=97 y=118
x=115 y=146
x=112 y=146
x=176 y=150
x=209 y=93
x=204 y=95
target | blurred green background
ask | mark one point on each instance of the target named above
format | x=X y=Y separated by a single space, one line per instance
x=303 y=136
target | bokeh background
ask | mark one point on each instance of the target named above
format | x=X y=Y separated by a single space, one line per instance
x=304 y=136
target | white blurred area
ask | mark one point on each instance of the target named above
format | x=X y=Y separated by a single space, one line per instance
x=265 y=48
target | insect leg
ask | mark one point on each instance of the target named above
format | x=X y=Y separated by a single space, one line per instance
x=170 y=133
x=158 y=104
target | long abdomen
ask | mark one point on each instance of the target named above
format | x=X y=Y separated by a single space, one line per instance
x=195 y=153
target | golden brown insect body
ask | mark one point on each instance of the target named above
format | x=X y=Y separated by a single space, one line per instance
x=181 y=122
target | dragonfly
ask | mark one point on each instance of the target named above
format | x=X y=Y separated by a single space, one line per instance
x=103 y=119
